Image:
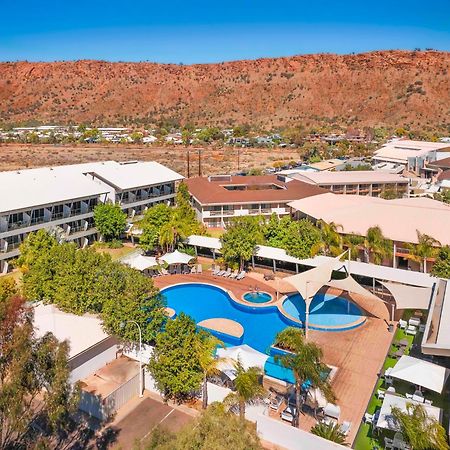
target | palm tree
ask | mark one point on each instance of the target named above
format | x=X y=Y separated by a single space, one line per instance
x=207 y=345
x=248 y=387
x=172 y=232
x=420 y=431
x=377 y=246
x=425 y=248
x=330 y=431
x=354 y=243
x=305 y=360
x=331 y=240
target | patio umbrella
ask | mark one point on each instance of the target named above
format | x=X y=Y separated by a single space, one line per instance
x=141 y=262
x=248 y=356
x=423 y=373
x=176 y=257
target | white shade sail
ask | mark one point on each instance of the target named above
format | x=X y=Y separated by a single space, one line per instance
x=386 y=419
x=409 y=297
x=316 y=399
x=176 y=257
x=141 y=262
x=423 y=373
x=248 y=356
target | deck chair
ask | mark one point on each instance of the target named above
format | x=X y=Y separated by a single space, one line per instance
x=241 y=275
x=216 y=270
x=199 y=268
x=164 y=271
x=234 y=274
x=227 y=273
x=194 y=269
x=345 y=427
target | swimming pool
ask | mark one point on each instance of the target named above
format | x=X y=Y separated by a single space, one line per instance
x=326 y=310
x=204 y=301
x=257 y=297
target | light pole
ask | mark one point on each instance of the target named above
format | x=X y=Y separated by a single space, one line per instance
x=141 y=381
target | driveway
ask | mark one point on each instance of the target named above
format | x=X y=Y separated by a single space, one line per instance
x=147 y=415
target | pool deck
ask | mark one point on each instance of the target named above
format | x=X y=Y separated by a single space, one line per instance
x=358 y=353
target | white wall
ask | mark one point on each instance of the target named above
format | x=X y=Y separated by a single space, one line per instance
x=89 y=367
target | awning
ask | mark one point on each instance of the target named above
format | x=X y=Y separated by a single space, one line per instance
x=176 y=257
x=386 y=419
x=204 y=241
x=423 y=373
x=409 y=297
x=248 y=356
x=350 y=285
x=140 y=262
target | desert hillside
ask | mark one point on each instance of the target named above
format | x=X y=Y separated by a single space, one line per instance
x=379 y=88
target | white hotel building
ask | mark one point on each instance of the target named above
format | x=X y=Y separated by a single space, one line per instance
x=63 y=198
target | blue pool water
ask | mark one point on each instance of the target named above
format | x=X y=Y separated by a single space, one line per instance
x=257 y=297
x=203 y=302
x=325 y=310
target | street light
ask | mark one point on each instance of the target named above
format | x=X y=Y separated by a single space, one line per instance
x=141 y=381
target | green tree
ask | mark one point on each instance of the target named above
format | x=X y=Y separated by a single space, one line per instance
x=377 y=246
x=305 y=361
x=354 y=243
x=419 y=430
x=443 y=196
x=247 y=386
x=206 y=348
x=330 y=243
x=154 y=219
x=426 y=247
x=34 y=381
x=175 y=364
x=110 y=220
x=441 y=268
x=240 y=239
x=8 y=288
x=215 y=429
x=136 y=137
x=329 y=431
x=302 y=237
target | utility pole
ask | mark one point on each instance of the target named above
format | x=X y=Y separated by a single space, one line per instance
x=239 y=158
x=199 y=162
x=188 y=165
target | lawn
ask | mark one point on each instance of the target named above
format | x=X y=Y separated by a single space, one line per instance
x=115 y=253
x=365 y=439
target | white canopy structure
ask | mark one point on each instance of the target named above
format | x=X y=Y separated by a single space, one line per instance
x=140 y=262
x=176 y=257
x=349 y=284
x=386 y=419
x=248 y=356
x=423 y=373
x=409 y=297
x=316 y=399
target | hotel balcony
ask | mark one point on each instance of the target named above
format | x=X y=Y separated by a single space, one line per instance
x=244 y=212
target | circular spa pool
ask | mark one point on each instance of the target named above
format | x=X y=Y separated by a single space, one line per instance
x=257 y=297
x=325 y=312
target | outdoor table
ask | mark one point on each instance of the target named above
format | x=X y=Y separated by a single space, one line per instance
x=404 y=342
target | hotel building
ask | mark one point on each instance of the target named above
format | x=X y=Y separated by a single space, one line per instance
x=63 y=199
x=217 y=199
x=357 y=182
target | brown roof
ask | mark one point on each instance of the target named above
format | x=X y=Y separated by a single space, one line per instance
x=444 y=175
x=213 y=192
x=441 y=163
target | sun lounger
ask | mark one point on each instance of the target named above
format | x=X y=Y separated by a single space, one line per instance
x=227 y=273
x=199 y=268
x=402 y=324
x=380 y=394
x=345 y=427
x=412 y=330
x=234 y=274
x=368 y=418
x=194 y=269
x=216 y=270
x=220 y=274
x=414 y=321
x=165 y=271
x=241 y=275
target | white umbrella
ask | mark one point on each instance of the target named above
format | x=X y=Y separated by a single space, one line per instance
x=141 y=262
x=423 y=373
x=248 y=356
x=176 y=257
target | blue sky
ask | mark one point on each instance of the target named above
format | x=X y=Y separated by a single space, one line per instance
x=213 y=31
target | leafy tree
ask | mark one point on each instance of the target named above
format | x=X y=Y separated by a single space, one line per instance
x=354 y=243
x=419 y=430
x=215 y=429
x=276 y=231
x=248 y=387
x=425 y=248
x=240 y=239
x=154 y=219
x=305 y=361
x=302 y=237
x=441 y=268
x=34 y=380
x=175 y=364
x=443 y=196
x=377 y=246
x=110 y=220
x=8 y=288
x=331 y=241
x=330 y=431
x=206 y=348
x=136 y=137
